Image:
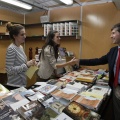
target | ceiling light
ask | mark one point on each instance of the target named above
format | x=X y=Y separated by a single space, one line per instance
x=68 y=2
x=18 y=4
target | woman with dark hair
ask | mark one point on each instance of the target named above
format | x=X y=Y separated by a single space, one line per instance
x=49 y=55
x=16 y=60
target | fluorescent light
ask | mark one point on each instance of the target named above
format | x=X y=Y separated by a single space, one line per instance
x=18 y=4
x=68 y=2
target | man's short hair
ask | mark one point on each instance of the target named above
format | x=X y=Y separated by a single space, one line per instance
x=116 y=26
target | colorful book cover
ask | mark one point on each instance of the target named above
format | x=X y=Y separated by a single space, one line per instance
x=89 y=102
x=79 y=112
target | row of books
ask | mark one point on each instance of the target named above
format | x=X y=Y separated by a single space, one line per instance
x=65 y=29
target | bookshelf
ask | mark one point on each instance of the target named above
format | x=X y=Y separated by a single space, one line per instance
x=65 y=28
x=34 y=30
x=3 y=32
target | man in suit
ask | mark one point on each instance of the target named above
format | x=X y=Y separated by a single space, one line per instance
x=111 y=59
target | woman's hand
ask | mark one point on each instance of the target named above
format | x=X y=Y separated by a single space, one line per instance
x=31 y=63
x=74 y=61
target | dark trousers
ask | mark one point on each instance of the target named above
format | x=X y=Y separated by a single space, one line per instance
x=116 y=106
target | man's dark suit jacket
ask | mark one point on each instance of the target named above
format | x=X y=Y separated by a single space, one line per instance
x=109 y=59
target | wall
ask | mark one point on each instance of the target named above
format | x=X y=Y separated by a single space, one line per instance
x=72 y=13
x=97 y=23
x=4 y=42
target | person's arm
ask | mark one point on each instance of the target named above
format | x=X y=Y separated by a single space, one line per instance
x=71 y=62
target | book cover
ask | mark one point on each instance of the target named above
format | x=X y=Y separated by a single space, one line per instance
x=67 y=77
x=15 y=101
x=79 y=112
x=6 y=113
x=27 y=93
x=86 y=76
x=35 y=96
x=67 y=94
x=89 y=102
x=47 y=89
x=31 y=111
x=21 y=89
x=76 y=86
x=96 y=91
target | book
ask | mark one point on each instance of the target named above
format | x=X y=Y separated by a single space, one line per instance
x=48 y=114
x=76 y=86
x=35 y=96
x=31 y=111
x=21 y=89
x=57 y=106
x=47 y=89
x=73 y=73
x=79 y=112
x=89 y=102
x=87 y=76
x=65 y=93
x=6 y=113
x=27 y=93
x=63 y=116
x=15 y=101
x=3 y=90
x=57 y=83
x=96 y=91
x=102 y=82
x=67 y=77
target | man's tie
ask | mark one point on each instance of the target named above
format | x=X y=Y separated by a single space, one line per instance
x=117 y=69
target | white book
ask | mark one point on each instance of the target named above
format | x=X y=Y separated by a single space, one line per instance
x=76 y=86
x=58 y=27
x=62 y=29
x=15 y=101
x=49 y=28
x=45 y=29
x=21 y=89
x=47 y=89
x=66 y=29
x=36 y=96
x=54 y=26
x=63 y=116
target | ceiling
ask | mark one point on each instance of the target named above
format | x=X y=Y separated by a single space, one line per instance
x=45 y=5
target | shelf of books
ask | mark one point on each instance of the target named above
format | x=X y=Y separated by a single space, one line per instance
x=66 y=98
x=65 y=28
